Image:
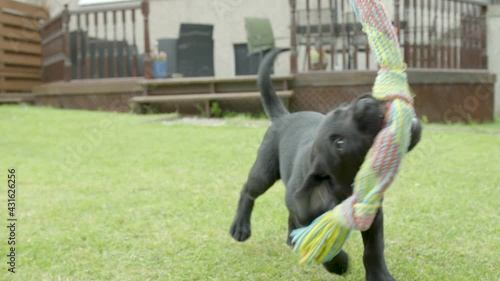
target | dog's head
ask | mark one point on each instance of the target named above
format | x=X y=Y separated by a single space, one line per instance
x=346 y=135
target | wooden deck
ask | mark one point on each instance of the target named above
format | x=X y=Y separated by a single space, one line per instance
x=184 y=95
x=90 y=87
x=200 y=85
x=441 y=95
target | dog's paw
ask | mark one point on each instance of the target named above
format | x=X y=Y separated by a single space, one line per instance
x=339 y=264
x=240 y=231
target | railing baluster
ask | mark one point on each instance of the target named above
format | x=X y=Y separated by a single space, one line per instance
x=415 y=32
x=344 y=35
x=125 y=53
x=422 y=40
x=429 y=34
x=354 y=24
x=79 y=48
x=462 y=37
x=455 y=33
x=476 y=32
x=473 y=31
x=475 y=40
x=115 y=47
x=479 y=40
x=96 y=46
x=444 y=36
x=293 y=37
x=406 y=14
x=320 y=36
x=441 y=37
x=332 y=33
x=468 y=36
x=134 y=46
x=87 y=47
x=106 y=47
x=484 y=58
x=308 y=36
x=467 y=33
x=435 y=30
x=147 y=47
x=449 y=49
x=397 y=21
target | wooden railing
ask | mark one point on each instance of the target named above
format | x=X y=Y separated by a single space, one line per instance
x=325 y=34
x=97 y=42
x=20 y=51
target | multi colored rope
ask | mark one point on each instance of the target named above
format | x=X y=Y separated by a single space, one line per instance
x=325 y=237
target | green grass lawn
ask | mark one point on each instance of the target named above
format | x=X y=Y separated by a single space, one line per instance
x=105 y=196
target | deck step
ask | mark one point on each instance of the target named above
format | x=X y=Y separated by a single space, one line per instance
x=204 y=97
x=9 y=98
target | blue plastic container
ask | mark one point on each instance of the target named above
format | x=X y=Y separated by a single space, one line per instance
x=159 y=69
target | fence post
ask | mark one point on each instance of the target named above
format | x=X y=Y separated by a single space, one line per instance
x=293 y=37
x=147 y=49
x=66 y=47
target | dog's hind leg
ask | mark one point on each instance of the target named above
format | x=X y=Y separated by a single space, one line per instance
x=264 y=173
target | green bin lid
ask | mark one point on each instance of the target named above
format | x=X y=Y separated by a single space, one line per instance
x=260 y=35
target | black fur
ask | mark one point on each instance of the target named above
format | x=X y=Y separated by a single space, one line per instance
x=317 y=157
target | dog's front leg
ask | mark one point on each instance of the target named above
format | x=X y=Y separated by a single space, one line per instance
x=373 y=258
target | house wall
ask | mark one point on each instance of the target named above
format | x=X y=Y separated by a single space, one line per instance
x=227 y=16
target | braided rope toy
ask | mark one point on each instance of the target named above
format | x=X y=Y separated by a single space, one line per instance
x=325 y=237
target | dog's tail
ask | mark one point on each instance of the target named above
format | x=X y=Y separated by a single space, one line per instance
x=273 y=106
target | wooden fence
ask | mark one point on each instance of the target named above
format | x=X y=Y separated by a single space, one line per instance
x=20 y=50
x=86 y=44
x=325 y=34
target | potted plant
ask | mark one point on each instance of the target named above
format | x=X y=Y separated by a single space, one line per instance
x=159 y=64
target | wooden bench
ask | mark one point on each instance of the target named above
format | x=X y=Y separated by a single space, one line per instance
x=205 y=98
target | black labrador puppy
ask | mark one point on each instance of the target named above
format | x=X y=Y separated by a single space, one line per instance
x=317 y=157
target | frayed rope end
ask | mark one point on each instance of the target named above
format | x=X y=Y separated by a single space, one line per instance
x=322 y=239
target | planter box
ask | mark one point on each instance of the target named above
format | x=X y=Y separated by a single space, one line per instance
x=160 y=69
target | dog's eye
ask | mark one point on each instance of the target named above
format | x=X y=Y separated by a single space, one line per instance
x=338 y=141
x=340 y=144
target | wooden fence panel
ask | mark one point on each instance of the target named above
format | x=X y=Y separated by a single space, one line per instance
x=20 y=46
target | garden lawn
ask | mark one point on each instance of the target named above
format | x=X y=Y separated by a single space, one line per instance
x=103 y=196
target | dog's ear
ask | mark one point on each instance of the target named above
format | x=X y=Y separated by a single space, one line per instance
x=416 y=133
x=311 y=181
x=315 y=177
